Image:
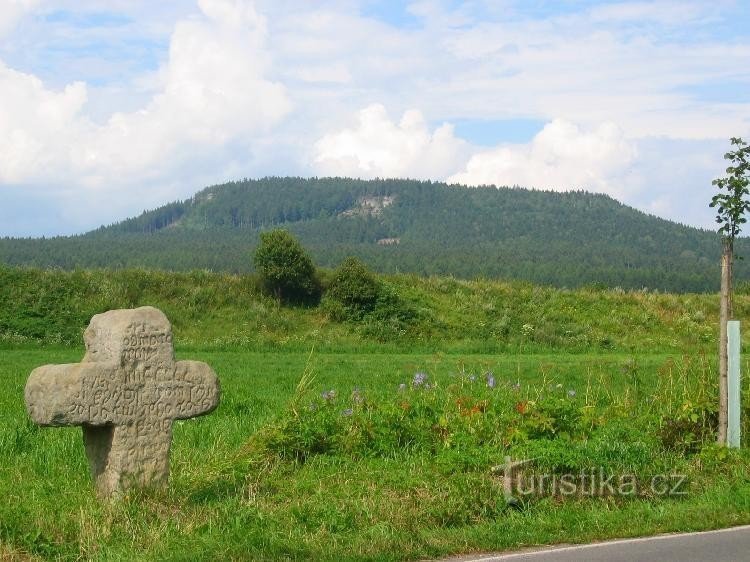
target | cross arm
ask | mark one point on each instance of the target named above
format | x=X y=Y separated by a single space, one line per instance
x=195 y=390
x=55 y=395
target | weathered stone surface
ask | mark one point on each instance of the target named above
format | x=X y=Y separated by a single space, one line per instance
x=125 y=394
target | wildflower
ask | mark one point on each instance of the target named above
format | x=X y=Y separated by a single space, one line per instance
x=402 y=387
x=420 y=379
x=472 y=378
x=517 y=386
x=490 y=379
x=347 y=412
x=571 y=393
x=328 y=395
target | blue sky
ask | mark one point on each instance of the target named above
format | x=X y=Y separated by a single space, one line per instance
x=108 y=108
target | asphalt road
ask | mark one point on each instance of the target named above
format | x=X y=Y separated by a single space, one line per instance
x=724 y=545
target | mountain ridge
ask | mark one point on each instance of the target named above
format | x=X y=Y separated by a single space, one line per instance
x=569 y=238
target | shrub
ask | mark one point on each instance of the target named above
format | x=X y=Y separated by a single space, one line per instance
x=357 y=295
x=285 y=268
x=354 y=288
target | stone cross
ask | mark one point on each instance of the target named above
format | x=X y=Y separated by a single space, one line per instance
x=125 y=394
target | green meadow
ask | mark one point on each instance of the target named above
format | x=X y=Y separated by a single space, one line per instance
x=378 y=438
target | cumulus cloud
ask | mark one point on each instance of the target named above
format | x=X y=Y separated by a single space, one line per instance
x=37 y=125
x=380 y=147
x=561 y=156
x=212 y=91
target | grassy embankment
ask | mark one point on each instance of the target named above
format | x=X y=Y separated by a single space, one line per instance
x=227 y=312
x=582 y=380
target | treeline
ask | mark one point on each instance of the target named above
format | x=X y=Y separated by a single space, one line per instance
x=568 y=239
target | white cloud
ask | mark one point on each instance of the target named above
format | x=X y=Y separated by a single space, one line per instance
x=213 y=91
x=37 y=126
x=560 y=157
x=379 y=147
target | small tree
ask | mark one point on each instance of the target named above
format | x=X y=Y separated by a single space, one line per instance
x=285 y=268
x=732 y=203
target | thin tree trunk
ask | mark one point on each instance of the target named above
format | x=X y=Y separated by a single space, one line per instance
x=725 y=314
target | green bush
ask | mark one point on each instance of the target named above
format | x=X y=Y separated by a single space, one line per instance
x=285 y=268
x=354 y=290
x=355 y=294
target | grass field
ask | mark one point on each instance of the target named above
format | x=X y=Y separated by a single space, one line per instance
x=250 y=481
x=383 y=442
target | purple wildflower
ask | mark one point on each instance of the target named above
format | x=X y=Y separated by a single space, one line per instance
x=420 y=379
x=347 y=412
x=328 y=395
x=490 y=379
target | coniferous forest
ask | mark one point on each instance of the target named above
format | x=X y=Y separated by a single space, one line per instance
x=563 y=239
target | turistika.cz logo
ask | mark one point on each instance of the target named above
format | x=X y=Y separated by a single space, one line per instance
x=520 y=482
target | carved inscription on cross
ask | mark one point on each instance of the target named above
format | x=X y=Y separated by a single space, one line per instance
x=125 y=394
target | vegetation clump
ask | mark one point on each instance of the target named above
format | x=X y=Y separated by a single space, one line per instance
x=353 y=291
x=286 y=268
x=472 y=422
x=466 y=413
x=355 y=295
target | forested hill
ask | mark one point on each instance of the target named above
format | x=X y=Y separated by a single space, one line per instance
x=564 y=239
